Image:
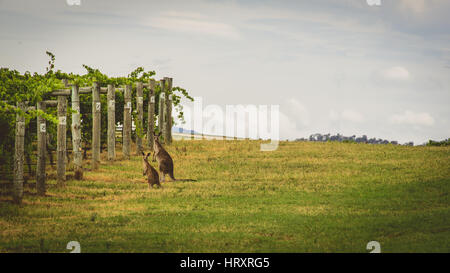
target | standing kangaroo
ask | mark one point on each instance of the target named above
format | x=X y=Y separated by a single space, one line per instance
x=150 y=172
x=165 y=162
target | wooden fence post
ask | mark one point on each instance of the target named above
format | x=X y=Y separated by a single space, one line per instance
x=140 y=117
x=168 y=112
x=161 y=114
x=151 y=114
x=18 y=155
x=76 y=134
x=61 y=141
x=111 y=122
x=126 y=129
x=96 y=127
x=42 y=150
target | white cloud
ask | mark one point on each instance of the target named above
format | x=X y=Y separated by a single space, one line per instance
x=411 y=118
x=298 y=112
x=396 y=73
x=419 y=7
x=346 y=114
x=193 y=23
x=333 y=115
x=288 y=128
x=352 y=115
x=416 y=6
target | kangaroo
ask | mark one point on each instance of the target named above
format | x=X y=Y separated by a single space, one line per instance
x=165 y=162
x=150 y=172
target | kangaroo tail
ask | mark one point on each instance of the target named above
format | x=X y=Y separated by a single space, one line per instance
x=174 y=179
x=186 y=180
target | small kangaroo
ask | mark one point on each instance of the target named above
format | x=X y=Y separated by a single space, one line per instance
x=150 y=172
x=165 y=162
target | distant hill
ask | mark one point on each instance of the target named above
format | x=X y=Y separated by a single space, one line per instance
x=183 y=131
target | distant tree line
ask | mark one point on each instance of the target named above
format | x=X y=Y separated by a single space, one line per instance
x=445 y=142
x=350 y=139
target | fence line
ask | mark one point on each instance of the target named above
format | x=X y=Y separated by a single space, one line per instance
x=61 y=103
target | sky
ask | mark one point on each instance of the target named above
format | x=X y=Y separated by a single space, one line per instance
x=333 y=66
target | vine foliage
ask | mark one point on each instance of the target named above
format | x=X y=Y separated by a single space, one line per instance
x=30 y=88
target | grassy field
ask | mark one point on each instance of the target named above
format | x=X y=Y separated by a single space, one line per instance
x=303 y=197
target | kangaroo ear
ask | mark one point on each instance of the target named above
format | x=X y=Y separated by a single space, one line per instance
x=159 y=134
x=149 y=154
x=142 y=153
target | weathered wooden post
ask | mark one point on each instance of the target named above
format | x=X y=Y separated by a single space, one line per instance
x=111 y=122
x=140 y=117
x=151 y=114
x=41 y=150
x=96 y=127
x=18 y=155
x=61 y=141
x=168 y=112
x=126 y=129
x=161 y=114
x=76 y=134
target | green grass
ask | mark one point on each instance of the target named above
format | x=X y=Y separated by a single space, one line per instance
x=303 y=197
